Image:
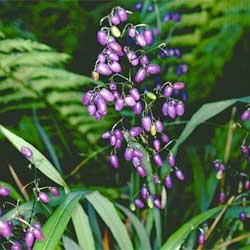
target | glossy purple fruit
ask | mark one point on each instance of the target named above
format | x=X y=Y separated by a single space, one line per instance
x=101 y=105
x=159 y=126
x=106 y=95
x=137 y=109
x=242 y=216
x=165 y=138
x=137 y=153
x=201 y=239
x=29 y=239
x=54 y=191
x=122 y=13
x=179 y=85
x=132 y=58
x=245 y=115
x=136 y=161
x=140 y=40
x=135 y=94
x=164 y=108
x=27 y=152
x=103 y=69
x=132 y=31
x=106 y=135
x=135 y=131
x=4 y=191
x=86 y=98
x=91 y=109
x=168 y=182
x=171 y=160
x=113 y=160
x=179 y=175
x=247 y=185
x=101 y=58
x=115 y=19
x=138 y=203
x=150 y=8
x=130 y=101
x=157 y=203
x=158 y=160
x=156 y=144
x=112 y=140
x=102 y=37
x=5 y=229
x=128 y=154
x=222 y=197
x=153 y=69
x=16 y=245
x=43 y=197
x=140 y=75
x=144 y=193
x=138 y=6
x=146 y=123
x=144 y=60
x=116 y=47
x=171 y=111
x=113 y=57
x=115 y=67
x=38 y=234
x=148 y=35
x=168 y=90
x=119 y=135
x=119 y=104
x=141 y=171
x=112 y=86
x=98 y=116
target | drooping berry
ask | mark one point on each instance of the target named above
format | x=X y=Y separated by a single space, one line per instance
x=27 y=152
x=242 y=216
x=140 y=75
x=138 y=203
x=141 y=171
x=201 y=239
x=106 y=95
x=179 y=175
x=171 y=160
x=16 y=245
x=4 y=191
x=113 y=160
x=144 y=192
x=158 y=160
x=5 y=229
x=43 y=197
x=128 y=154
x=29 y=239
x=54 y=191
x=168 y=182
x=146 y=123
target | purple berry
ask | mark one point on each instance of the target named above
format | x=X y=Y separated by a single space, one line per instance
x=157 y=203
x=86 y=98
x=137 y=109
x=102 y=37
x=91 y=109
x=135 y=131
x=136 y=161
x=179 y=175
x=201 y=239
x=118 y=143
x=132 y=58
x=245 y=115
x=164 y=138
x=164 y=108
x=175 y=17
x=138 y=6
x=29 y=239
x=140 y=75
x=153 y=69
x=156 y=144
x=179 y=85
x=118 y=134
x=171 y=111
x=38 y=234
x=113 y=160
x=115 y=67
x=144 y=60
x=242 y=216
x=158 y=160
x=159 y=126
x=140 y=40
x=144 y=193
x=5 y=229
x=130 y=101
x=128 y=154
x=137 y=153
x=148 y=35
x=4 y=191
x=103 y=69
x=122 y=13
x=112 y=140
x=135 y=94
x=141 y=171
x=37 y=226
x=132 y=31
x=106 y=95
x=168 y=91
x=116 y=47
x=113 y=57
x=26 y=152
x=119 y=104
x=168 y=182
x=138 y=203
x=171 y=160
x=101 y=105
x=167 y=18
x=247 y=185
x=222 y=197
x=106 y=135
x=16 y=245
x=146 y=123
x=112 y=86
x=43 y=197
x=101 y=58
x=150 y=8
x=115 y=20
x=54 y=191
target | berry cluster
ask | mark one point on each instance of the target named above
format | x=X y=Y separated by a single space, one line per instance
x=144 y=104
x=242 y=176
x=12 y=229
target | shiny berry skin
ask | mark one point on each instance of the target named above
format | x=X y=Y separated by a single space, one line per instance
x=54 y=191
x=102 y=37
x=119 y=104
x=146 y=123
x=242 y=216
x=5 y=229
x=132 y=31
x=115 y=20
x=245 y=115
x=153 y=69
x=106 y=135
x=43 y=197
x=247 y=185
x=27 y=152
x=150 y=8
x=156 y=144
x=158 y=160
x=144 y=60
x=86 y=98
x=135 y=94
x=157 y=203
x=138 y=6
x=201 y=239
x=140 y=40
x=101 y=105
x=103 y=69
x=113 y=57
x=112 y=86
x=179 y=175
x=144 y=192
x=178 y=85
x=171 y=111
x=130 y=101
x=16 y=245
x=136 y=161
x=171 y=160
x=106 y=95
x=137 y=109
x=179 y=108
x=128 y=154
x=115 y=67
x=222 y=197
x=140 y=75
x=113 y=160
x=29 y=239
x=148 y=35
x=112 y=140
x=141 y=171
x=168 y=182
x=159 y=126
x=168 y=91
x=164 y=108
x=92 y=109
x=122 y=13
x=116 y=47
x=132 y=58
x=38 y=234
x=165 y=138
x=4 y=191
x=138 y=203
x=135 y=131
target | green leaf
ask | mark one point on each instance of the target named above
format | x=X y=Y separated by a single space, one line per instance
x=13 y=193
x=69 y=244
x=175 y=241
x=139 y=227
x=206 y=112
x=37 y=159
x=82 y=228
x=107 y=212
x=54 y=227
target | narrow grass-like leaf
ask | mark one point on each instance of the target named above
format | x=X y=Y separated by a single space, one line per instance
x=107 y=212
x=69 y=244
x=38 y=159
x=54 y=227
x=47 y=142
x=176 y=240
x=139 y=227
x=82 y=228
x=206 y=112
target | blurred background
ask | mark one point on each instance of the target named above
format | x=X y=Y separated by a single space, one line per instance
x=47 y=53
